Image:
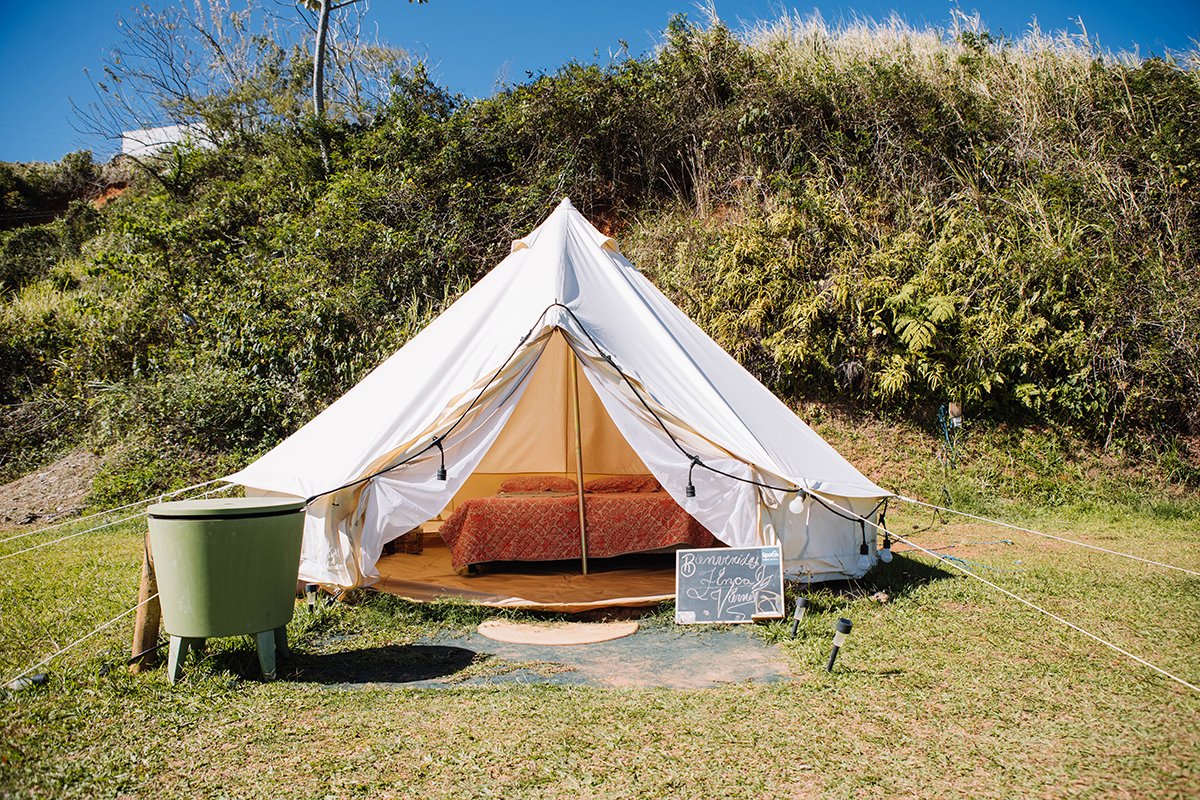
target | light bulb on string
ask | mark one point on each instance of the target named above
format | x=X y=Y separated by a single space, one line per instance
x=691 y=503
x=441 y=473
x=864 y=552
x=885 y=553
x=796 y=506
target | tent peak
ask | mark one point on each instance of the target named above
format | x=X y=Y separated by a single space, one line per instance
x=566 y=216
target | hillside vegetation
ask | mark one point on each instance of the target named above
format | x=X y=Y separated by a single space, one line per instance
x=886 y=217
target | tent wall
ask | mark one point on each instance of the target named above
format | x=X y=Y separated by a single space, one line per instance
x=819 y=545
x=540 y=435
x=539 y=438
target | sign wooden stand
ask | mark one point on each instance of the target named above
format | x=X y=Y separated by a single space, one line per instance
x=144 y=652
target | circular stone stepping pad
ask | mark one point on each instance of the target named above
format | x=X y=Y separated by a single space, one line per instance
x=564 y=633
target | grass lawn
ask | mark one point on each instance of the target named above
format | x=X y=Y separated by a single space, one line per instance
x=948 y=689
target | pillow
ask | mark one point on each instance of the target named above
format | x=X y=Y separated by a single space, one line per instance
x=538 y=483
x=623 y=483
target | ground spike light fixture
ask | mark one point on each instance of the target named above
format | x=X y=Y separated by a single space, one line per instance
x=801 y=605
x=954 y=411
x=841 y=631
x=40 y=679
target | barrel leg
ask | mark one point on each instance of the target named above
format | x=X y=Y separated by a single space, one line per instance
x=266 y=653
x=180 y=645
x=281 y=644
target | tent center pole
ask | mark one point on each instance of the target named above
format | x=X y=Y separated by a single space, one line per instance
x=579 y=461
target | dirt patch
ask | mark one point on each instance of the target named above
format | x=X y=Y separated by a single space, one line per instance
x=54 y=492
x=109 y=194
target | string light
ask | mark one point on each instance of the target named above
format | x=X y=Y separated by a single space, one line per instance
x=690 y=492
x=864 y=552
x=885 y=553
x=441 y=473
x=691 y=488
x=797 y=504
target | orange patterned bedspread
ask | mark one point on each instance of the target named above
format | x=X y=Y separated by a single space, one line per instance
x=546 y=528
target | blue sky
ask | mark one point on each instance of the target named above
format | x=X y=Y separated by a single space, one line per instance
x=473 y=45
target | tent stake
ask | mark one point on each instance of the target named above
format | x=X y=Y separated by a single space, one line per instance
x=149 y=615
x=579 y=460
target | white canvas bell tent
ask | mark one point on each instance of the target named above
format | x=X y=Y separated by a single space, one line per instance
x=489 y=380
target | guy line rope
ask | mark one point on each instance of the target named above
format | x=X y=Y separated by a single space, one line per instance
x=110 y=510
x=81 y=639
x=1016 y=597
x=105 y=525
x=904 y=499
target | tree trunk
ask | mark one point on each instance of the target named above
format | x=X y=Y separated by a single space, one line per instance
x=319 y=79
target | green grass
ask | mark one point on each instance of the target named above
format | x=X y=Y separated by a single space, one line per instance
x=947 y=690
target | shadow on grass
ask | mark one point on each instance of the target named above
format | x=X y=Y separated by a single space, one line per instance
x=905 y=575
x=389 y=664
x=899 y=579
x=874 y=673
x=407 y=663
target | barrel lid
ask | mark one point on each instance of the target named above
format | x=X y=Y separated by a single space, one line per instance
x=227 y=507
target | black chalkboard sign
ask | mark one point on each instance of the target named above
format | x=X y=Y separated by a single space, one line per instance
x=728 y=584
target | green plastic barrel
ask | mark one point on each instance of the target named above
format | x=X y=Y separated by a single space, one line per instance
x=226 y=567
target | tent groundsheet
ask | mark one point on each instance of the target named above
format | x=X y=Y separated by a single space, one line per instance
x=630 y=581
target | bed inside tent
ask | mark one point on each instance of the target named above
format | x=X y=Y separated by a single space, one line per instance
x=512 y=536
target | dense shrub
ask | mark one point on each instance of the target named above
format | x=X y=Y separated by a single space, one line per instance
x=897 y=216
x=32 y=193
